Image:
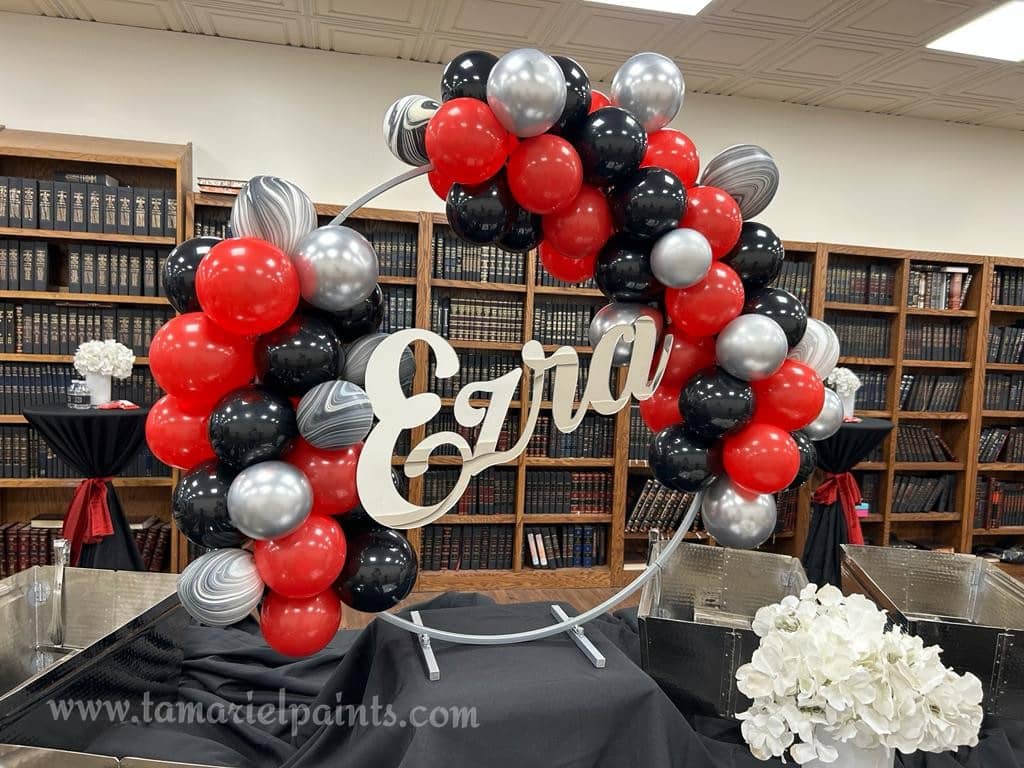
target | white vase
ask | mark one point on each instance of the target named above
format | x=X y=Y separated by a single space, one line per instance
x=848 y=403
x=852 y=756
x=99 y=388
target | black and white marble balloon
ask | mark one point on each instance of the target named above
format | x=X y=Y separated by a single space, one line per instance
x=274 y=210
x=748 y=173
x=221 y=587
x=334 y=415
x=405 y=128
x=357 y=357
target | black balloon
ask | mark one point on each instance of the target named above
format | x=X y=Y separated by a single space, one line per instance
x=713 y=403
x=302 y=353
x=361 y=320
x=648 y=203
x=250 y=425
x=611 y=143
x=466 y=75
x=577 y=97
x=680 y=461
x=523 y=234
x=782 y=307
x=757 y=256
x=808 y=458
x=179 y=272
x=380 y=570
x=623 y=270
x=480 y=213
x=199 y=506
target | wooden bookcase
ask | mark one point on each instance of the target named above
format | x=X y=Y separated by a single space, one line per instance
x=32 y=154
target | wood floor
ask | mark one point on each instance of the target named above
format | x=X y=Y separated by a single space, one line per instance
x=580 y=599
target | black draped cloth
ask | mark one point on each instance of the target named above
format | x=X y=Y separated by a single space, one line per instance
x=539 y=703
x=97 y=443
x=833 y=520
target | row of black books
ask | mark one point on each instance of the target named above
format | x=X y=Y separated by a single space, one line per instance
x=874 y=389
x=594 y=438
x=786 y=503
x=998 y=503
x=1002 y=444
x=639 y=435
x=795 y=277
x=1008 y=286
x=23 y=384
x=935 y=286
x=120 y=270
x=861 y=336
x=54 y=328
x=1004 y=391
x=565 y=546
x=23 y=453
x=926 y=339
x=853 y=281
x=565 y=492
x=654 y=505
x=923 y=493
x=916 y=442
x=931 y=392
x=474 y=366
x=72 y=202
x=547 y=280
x=400 y=308
x=493 y=493
x=457 y=260
x=212 y=221
x=477 y=319
x=563 y=320
x=395 y=242
x=1006 y=343
x=445 y=421
x=869 y=483
x=466 y=547
x=582 y=377
x=24 y=265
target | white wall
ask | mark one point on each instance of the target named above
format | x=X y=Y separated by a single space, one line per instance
x=314 y=117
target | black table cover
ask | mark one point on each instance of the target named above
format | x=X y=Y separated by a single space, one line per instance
x=97 y=443
x=830 y=525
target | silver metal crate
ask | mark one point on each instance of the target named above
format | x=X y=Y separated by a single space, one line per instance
x=960 y=602
x=695 y=621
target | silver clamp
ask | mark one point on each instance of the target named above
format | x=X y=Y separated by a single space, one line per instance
x=429 y=660
x=580 y=638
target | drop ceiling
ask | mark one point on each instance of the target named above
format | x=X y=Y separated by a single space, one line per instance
x=867 y=55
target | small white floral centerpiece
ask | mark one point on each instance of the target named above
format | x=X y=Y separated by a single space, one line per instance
x=828 y=681
x=845 y=383
x=98 y=361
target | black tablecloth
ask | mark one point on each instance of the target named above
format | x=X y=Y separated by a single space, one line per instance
x=828 y=527
x=538 y=704
x=97 y=443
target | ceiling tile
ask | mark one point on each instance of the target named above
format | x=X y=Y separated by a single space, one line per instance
x=336 y=37
x=31 y=7
x=408 y=13
x=148 y=14
x=607 y=31
x=830 y=60
x=925 y=72
x=263 y=28
x=515 y=20
x=1008 y=83
x=956 y=111
x=908 y=21
x=774 y=91
x=759 y=14
x=1013 y=122
x=723 y=46
x=863 y=101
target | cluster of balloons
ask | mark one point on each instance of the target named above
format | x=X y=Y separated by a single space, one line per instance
x=527 y=154
x=266 y=415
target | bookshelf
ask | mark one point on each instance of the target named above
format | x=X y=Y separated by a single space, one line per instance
x=35 y=365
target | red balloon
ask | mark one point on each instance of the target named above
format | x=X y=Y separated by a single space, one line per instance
x=465 y=141
x=791 y=399
x=544 y=173
x=761 y=458
x=705 y=308
x=439 y=183
x=598 y=101
x=176 y=435
x=247 y=286
x=300 y=626
x=687 y=356
x=305 y=562
x=661 y=409
x=582 y=227
x=566 y=268
x=673 y=151
x=714 y=214
x=331 y=473
x=196 y=360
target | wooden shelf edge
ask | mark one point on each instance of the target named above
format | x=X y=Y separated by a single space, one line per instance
x=21 y=357
x=71 y=482
x=91 y=298
x=1007 y=530
x=99 y=237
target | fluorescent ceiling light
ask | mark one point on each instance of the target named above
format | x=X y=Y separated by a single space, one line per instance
x=999 y=34
x=680 y=7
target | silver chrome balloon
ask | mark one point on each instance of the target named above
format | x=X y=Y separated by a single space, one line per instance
x=620 y=313
x=337 y=268
x=275 y=210
x=751 y=347
x=737 y=517
x=818 y=348
x=681 y=258
x=269 y=500
x=829 y=420
x=526 y=91
x=650 y=87
x=221 y=587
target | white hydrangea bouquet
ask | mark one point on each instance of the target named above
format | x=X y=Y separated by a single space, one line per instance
x=843 y=381
x=828 y=681
x=104 y=358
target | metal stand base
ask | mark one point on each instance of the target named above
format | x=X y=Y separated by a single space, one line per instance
x=429 y=660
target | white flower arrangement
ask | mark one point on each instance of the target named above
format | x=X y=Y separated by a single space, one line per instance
x=106 y=358
x=843 y=381
x=827 y=671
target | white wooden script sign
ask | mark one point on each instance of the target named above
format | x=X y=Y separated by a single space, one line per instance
x=396 y=412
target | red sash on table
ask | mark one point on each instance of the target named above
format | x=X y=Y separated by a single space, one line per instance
x=844 y=489
x=88 y=517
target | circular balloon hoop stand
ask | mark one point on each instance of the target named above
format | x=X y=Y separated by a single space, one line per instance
x=573 y=625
